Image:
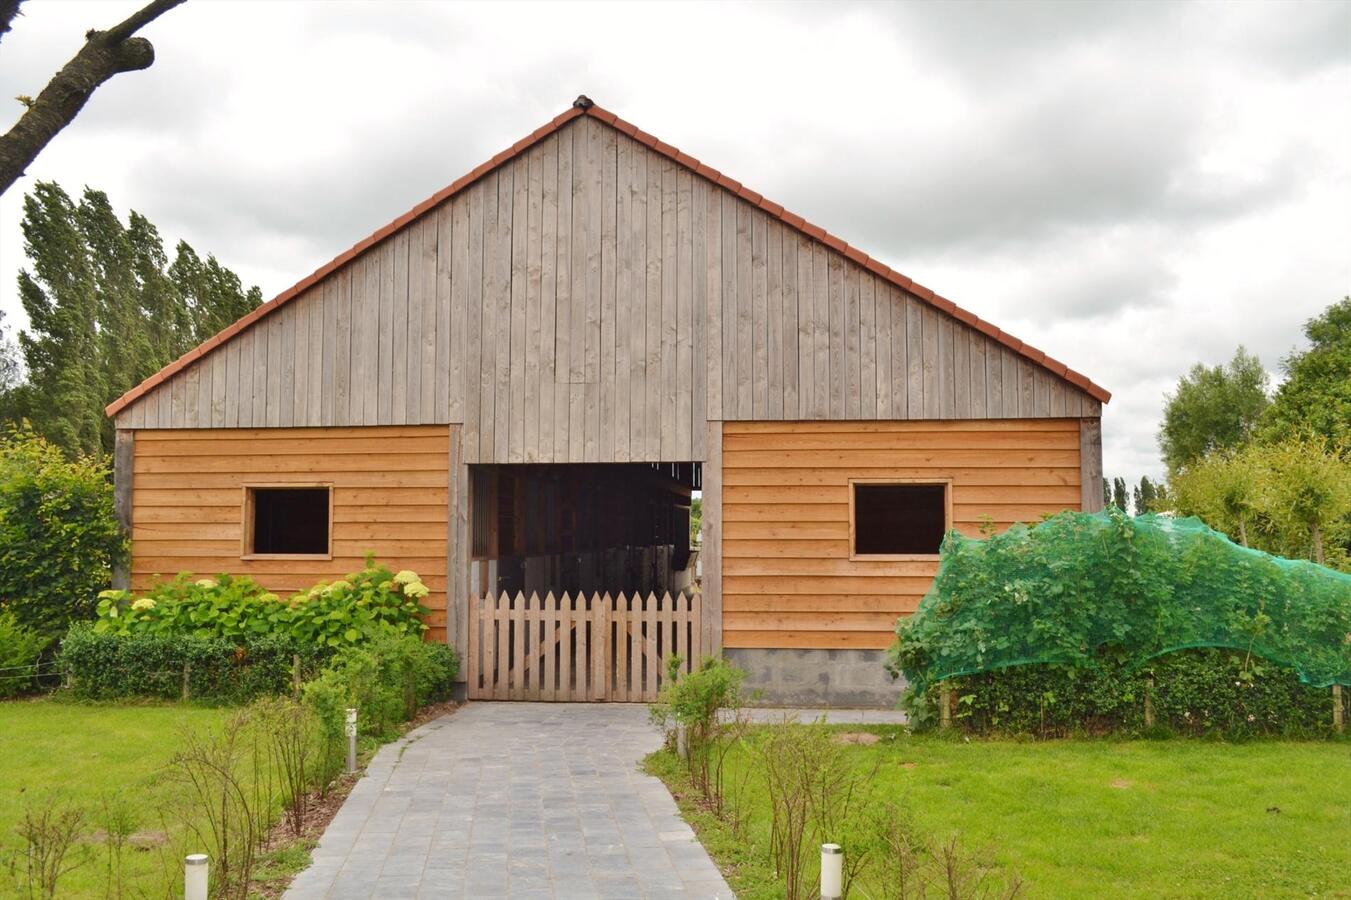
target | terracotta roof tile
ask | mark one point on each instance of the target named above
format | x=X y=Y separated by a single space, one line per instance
x=602 y=115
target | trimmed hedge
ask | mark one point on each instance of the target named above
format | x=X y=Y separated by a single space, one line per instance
x=104 y=666
x=1215 y=692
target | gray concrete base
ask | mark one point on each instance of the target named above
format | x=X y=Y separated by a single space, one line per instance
x=818 y=678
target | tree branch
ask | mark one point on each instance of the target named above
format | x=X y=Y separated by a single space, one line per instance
x=104 y=54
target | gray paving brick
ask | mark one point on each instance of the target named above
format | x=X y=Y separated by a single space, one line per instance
x=520 y=801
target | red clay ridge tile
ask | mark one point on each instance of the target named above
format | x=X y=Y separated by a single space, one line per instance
x=686 y=160
x=704 y=171
x=964 y=315
x=664 y=149
x=921 y=292
x=834 y=243
x=730 y=183
x=856 y=255
x=604 y=115
x=944 y=304
x=769 y=206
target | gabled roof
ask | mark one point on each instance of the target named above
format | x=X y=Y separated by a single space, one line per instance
x=584 y=107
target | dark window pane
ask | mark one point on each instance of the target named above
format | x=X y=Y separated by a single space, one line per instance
x=899 y=518
x=290 y=520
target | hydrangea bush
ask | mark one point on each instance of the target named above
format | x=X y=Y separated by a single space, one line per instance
x=348 y=612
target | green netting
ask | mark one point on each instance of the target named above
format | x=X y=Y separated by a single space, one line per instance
x=1077 y=585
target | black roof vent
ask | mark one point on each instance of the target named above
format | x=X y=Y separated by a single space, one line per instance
x=583 y=102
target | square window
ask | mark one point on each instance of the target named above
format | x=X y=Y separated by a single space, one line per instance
x=290 y=520
x=898 y=519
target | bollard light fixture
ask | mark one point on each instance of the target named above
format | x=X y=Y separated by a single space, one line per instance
x=194 y=877
x=832 y=872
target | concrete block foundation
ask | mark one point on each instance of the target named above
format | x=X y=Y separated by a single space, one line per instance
x=849 y=679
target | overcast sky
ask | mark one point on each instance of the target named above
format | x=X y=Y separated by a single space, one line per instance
x=1132 y=188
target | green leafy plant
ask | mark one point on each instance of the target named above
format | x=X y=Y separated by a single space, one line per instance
x=59 y=538
x=20 y=648
x=107 y=666
x=1078 y=589
x=1221 y=692
x=346 y=612
x=704 y=703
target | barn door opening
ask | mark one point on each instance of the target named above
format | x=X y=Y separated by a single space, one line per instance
x=583 y=580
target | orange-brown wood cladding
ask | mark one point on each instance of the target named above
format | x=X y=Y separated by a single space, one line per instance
x=389 y=498
x=788 y=580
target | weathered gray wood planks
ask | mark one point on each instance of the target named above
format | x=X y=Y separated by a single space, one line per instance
x=593 y=300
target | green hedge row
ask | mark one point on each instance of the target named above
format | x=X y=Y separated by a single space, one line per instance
x=103 y=666
x=1218 y=692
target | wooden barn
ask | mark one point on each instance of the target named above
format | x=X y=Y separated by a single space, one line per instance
x=517 y=387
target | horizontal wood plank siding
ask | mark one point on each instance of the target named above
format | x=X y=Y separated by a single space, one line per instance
x=390 y=497
x=594 y=301
x=787 y=579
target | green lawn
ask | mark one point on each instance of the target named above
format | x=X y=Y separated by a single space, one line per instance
x=1142 y=819
x=80 y=753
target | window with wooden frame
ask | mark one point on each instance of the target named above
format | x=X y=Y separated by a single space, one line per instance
x=288 y=521
x=898 y=519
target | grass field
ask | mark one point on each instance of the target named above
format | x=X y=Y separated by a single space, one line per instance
x=79 y=754
x=1172 y=818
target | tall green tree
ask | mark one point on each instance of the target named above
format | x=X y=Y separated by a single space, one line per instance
x=1120 y=499
x=1145 y=494
x=1213 y=409
x=1315 y=398
x=106 y=309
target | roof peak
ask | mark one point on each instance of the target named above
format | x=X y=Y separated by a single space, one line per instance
x=584 y=106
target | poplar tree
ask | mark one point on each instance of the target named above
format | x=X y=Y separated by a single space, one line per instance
x=107 y=309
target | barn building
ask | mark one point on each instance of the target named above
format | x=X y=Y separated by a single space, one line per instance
x=517 y=387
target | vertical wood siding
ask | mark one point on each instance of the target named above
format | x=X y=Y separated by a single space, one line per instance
x=591 y=300
x=390 y=497
x=786 y=576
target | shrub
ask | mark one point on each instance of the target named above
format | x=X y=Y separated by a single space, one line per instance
x=59 y=537
x=386 y=682
x=1063 y=591
x=697 y=701
x=104 y=666
x=1193 y=692
x=347 y=612
x=20 y=648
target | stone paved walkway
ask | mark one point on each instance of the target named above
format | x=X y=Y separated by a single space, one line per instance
x=513 y=800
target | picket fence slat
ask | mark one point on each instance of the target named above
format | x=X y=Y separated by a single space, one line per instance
x=597 y=647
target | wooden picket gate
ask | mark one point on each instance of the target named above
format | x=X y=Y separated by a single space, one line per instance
x=578 y=648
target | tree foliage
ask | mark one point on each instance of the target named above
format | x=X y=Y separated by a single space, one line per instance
x=59 y=538
x=1315 y=397
x=107 y=309
x=1213 y=409
x=1292 y=498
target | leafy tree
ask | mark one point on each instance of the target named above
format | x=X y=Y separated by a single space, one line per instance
x=11 y=378
x=1316 y=395
x=1119 y=497
x=59 y=538
x=1223 y=490
x=1292 y=498
x=1213 y=409
x=1307 y=494
x=107 y=309
x=1146 y=493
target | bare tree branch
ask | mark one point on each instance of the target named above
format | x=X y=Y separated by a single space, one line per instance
x=104 y=54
